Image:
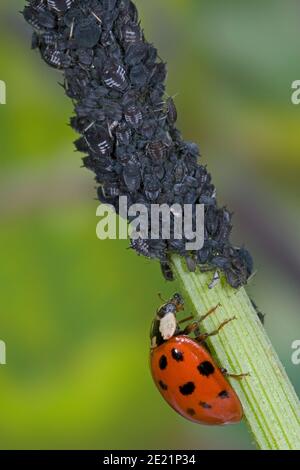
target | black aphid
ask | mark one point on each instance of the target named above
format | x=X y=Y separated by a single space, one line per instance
x=59 y=5
x=191 y=263
x=109 y=5
x=104 y=145
x=52 y=56
x=171 y=111
x=133 y=115
x=87 y=32
x=39 y=5
x=132 y=175
x=128 y=126
x=114 y=76
x=167 y=271
x=123 y=134
x=131 y=33
x=49 y=39
x=41 y=20
x=156 y=150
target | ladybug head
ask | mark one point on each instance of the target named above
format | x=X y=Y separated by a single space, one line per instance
x=166 y=309
x=165 y=325
x=178 y=301
x=174 y=305
x=168 y=325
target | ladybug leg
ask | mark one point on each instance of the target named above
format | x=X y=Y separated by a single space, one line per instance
x=212 y=310
x=186 y=319
x=202 y=337
x=233 y=376
x=194 y=327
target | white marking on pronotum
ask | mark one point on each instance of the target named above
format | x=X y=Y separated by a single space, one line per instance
x=167 y=326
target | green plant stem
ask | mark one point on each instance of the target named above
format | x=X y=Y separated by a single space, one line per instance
x=271 y=406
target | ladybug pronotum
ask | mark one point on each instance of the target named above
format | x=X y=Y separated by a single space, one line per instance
x=184 y=371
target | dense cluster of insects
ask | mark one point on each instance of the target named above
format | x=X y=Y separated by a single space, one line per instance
x=128 y=126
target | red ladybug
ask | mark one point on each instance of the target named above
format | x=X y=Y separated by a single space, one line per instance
x=185 y=373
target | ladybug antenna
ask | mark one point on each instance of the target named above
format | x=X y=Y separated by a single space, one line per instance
x=161 y=297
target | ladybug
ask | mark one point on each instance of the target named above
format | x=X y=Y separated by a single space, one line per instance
x=184 y=371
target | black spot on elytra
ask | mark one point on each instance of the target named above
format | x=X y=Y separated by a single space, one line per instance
x=162 y=385
x=187 y=388
x=223 y=394
x=191 y=412
x=206 y=368
x=163 y=362
x=205 y=405
x=177 y=355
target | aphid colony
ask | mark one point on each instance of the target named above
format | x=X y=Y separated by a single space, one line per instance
x=128 y=126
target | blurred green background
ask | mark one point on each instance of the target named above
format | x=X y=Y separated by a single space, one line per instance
x=76 y=311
